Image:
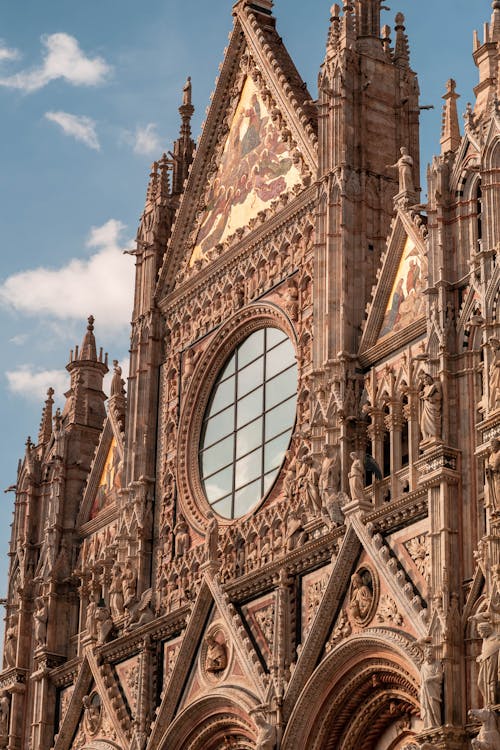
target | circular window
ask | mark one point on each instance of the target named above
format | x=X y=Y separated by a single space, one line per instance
x=248 y=422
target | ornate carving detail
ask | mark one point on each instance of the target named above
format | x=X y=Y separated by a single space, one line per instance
x=388 y=612
x=363 y=595
x=419 y=550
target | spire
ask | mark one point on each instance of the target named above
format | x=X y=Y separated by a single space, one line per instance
x=184 y=145
x=450 y=132
x=89 y=351
x=368 y=18
x=495 y=21
x=153 y=183
x=45 y=430
x=334 y=30
x=402 y=50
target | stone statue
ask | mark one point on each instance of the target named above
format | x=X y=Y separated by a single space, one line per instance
x=357 y=478
x=329 y=477
x=216 y=658
x=4 y=715
x=266 y=732
x=92 y=712
x=404 y=165
x=40 y=616
x=11 y=641
x=187 y=93
x=182 y=540
x=494 y=376
x=488 y=661
x=489 y=736
x=295 y=534
x=129 y=584
x=308 y=479
x=104 y=624
x=431 y=676
x=431 y=398
x=290 y=475
x=116 y=602
x=361 y=598
x=493 y=476
x=212 y=538
x=91 y=617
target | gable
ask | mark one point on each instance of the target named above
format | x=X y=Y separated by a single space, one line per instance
x=256 y=167
x=406 y=301
x=257 y=149
x=397 y=312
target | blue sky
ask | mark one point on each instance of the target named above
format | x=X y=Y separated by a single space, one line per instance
x=89 y=97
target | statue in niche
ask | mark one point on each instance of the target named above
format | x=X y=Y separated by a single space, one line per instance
x=129 y=584
x=404 y=165
x=431 y=399
x=494 y=375
x=431 y=676
x=182 y=540
x=357 y=478
x=212 y=538
x=489 y=736
x=488 y=660
x=266 y=732
x=361 y=597
x=40 y=616
x=290 y=477
x=307 y=482
x=116 y=602
x=92 y=713
x=216 y=656
x=329 y=477
x=493 y=476
x=4 y=714
x=91 y=617
x=11 y=641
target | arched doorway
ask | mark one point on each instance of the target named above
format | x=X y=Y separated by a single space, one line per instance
x=216 y=722
x=363 y=696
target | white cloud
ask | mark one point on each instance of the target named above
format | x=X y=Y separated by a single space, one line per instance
x=101 y=285
x=33 y=384
x=64 y=59
x=82 y=128
x=7 y=53
x=19 y=340
x=146 y=140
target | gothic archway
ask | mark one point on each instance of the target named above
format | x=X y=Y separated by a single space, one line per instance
x=363 y=695
x=215 y=722
x=101 y=745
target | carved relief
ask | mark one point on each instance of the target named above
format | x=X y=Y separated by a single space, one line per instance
x=215 y=654
x=388 y=612
x=363 y=596
x=313 y=587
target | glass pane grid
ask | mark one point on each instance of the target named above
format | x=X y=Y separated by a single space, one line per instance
x=249 y=437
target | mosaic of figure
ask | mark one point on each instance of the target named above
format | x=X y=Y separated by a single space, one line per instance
x=256 y=167
x=406 y=302
x=110 y=482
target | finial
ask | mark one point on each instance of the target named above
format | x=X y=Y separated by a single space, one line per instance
x=45 y=430
x=450 y=131
x=88 y=350
x=401 y=51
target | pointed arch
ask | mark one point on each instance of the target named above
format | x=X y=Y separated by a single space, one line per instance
x=206 y=723
x=353 y=689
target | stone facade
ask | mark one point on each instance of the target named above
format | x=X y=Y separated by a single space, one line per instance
x=354 y=600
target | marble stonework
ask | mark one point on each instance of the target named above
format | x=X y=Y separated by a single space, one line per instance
x=356 y=603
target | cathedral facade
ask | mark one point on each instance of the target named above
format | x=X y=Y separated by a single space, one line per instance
x=301 y=322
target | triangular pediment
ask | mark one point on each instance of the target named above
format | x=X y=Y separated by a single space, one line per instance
x=398 y=309
x=105 y=479
x=258 y=147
